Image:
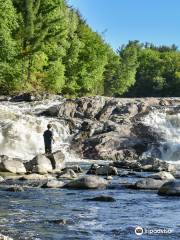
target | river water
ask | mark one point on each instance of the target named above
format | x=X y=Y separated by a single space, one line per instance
x=27 y=215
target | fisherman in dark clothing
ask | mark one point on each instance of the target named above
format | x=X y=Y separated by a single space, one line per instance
x=48 y=139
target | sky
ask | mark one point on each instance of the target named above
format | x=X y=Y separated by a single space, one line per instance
x=154 y=21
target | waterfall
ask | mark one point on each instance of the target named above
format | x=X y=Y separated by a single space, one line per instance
x=166 y=123
x=21 y=130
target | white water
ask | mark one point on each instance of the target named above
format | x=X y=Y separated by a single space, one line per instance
x=167 y=125
x=21 y=131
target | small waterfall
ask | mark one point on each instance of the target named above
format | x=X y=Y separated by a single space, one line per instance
x=166 y=123
x=21 y=131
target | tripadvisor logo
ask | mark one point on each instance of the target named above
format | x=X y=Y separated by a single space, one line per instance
x=139 y=230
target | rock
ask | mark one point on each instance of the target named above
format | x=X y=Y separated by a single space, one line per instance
x=1 y=179
x=57 y=160
x=102 y=170
x=171 y=188
x=13 y=165
x=149 y=183
x=75 y=168
x=101 y=198
x=109 y=178
x=39 y=164
x=27 y=97
x=2 y=237
x=15 y=189
x=87 y=182
x=162 y=176
x=127 y=164
x=53 y=184
x=67 y=174
x=37 y=177
x=59 y=221
x=156 y=165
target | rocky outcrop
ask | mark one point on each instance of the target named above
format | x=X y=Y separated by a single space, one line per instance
x=170 y=189
x=110 y=128
x=87 y=182
x=13 y=165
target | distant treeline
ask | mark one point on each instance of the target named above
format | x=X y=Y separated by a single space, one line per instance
x=45 y=45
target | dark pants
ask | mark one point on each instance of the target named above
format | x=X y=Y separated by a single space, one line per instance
x=48 y=148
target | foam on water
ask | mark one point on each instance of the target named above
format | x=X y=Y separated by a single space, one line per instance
x=167 y=125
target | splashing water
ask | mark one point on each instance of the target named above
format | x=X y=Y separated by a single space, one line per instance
x=21 y=131
x=166 y=124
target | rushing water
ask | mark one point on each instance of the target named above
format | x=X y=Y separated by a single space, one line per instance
x=27 y=215
x=166 y=123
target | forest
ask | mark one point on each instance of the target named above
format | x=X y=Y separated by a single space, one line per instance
x=47 y=46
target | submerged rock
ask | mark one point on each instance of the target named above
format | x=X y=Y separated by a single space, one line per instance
x=87 y=182
x=170 y=189
x=102 y=170
x=101 y=198
x=15 y=189
x=13 y=165
x=59 y=221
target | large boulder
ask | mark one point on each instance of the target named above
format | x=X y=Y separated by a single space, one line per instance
x=149 y=184
x=39 y=164
x=57 y=160
x=162 y=176
x=13 y=165
x=104 y=170
x=171 y=188
x=87 y=182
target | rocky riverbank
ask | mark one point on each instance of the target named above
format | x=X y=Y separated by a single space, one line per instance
x=117 y=147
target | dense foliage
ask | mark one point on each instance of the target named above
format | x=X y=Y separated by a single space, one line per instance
x=45 y=45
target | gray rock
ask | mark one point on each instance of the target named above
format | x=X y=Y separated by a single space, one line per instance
x=171 y=188
x=39 y=164
x=101 y=198
x=75 y=168
x=15 y=189
x=59 y=221
x=1 y=179
x=103 y=170
x=37 y=177
x=87 y=182
x=162 y=176
x=57 y=160
x=149 y=183
x=53 y=184
x=67 y=174
x=3 y=237
x=13 y=165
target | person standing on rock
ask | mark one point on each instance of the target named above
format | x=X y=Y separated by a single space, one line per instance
x=48 y=139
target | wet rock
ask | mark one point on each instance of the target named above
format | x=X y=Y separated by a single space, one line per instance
x=37 y=177
x=15 y=189
x=57 y=160
x=3 y=237
x=13 y=165
x=27 y=97
x=75 y=168
x=156 y=165
x=171 y=188
x=148 y=183
x=1 y=179
x=102 y=170
x=127 y=164
x=67 y=174
x=53 y=184
x=87 y=182
x=162 y=176
x=59 y=221
x=39 y=164
x=109 y=178
x=101 y=198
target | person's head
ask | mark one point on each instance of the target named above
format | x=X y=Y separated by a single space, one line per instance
x=49 y=126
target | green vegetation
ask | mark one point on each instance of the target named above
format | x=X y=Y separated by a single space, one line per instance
x=47 y=46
